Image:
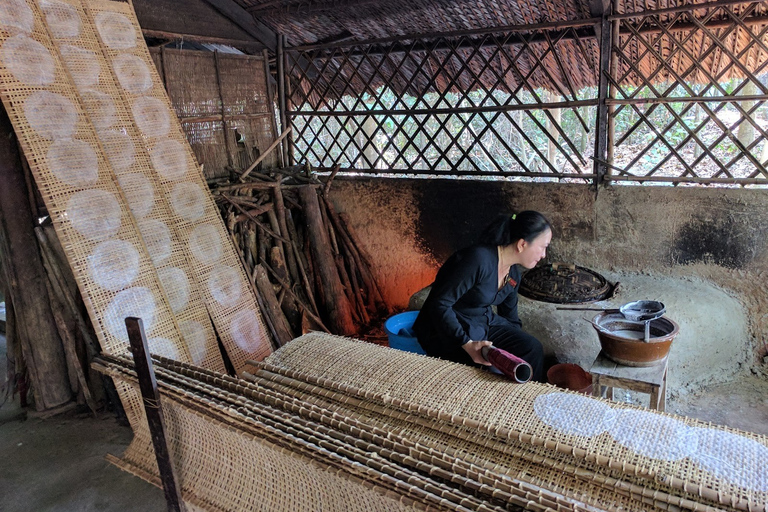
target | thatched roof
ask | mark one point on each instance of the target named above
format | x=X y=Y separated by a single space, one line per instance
x=352 y=24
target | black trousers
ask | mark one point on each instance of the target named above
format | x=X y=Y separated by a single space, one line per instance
x=504 y=335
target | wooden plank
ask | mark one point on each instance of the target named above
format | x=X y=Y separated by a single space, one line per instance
x=649 y=374
x=151 y=398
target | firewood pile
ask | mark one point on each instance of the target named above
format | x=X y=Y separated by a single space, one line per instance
x=300 y=253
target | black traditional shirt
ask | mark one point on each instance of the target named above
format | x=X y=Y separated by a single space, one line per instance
x=458 y=308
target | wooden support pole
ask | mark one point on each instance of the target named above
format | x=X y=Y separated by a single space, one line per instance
x=271 y=101
x=601 y=119
x=151 y=398
x=335 y=299
x=225 y=128
x=25 y=280
x=281 y=103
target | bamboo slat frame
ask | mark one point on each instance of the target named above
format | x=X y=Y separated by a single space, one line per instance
x=461 y=64
x=438 y=136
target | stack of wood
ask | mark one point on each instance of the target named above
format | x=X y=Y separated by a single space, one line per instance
x=301 y=254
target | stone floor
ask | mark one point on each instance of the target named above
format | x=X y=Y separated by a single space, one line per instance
x=58 y=464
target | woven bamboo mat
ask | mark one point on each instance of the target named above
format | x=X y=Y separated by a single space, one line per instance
x=718 y=463
x=89 y=212
x=223 y=468
x=428 y=460
x=90 y=111
x=214 y=264
x=95 y=82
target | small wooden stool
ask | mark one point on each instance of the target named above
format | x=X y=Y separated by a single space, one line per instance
x=651 y=379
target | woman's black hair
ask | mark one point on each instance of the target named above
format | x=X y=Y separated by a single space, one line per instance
x=508 y=229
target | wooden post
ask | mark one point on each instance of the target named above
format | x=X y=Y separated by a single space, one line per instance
x=25 y=280
x=334 y=297
x=601 y=119
x=288 y=93
x=612 y=94
x=227 y=142
x=151 y=398
x=281 y=103
x=271 y=102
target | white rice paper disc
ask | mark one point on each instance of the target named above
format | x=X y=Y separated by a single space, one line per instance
x=82 y=64
x=653 y=435
x=16 y=16
x=74 y=162
x=573 y=414
x=188 y=201
x=225 y=285
x=51 y=115
x=246 y=331
x=193 y=334
x=139 y=192
x=132 y=73
x=63 y=19
x=176 y=285
x=119 y=148
x=116 y=30
x=29 y=61
x=151 y=116
x=137 y=302
x=737 y=459
x=205 y=244
x=114 y=264
x=169 y=159
x=163 y=347
x=157 y=238
x=101 y=109
x=94 y=213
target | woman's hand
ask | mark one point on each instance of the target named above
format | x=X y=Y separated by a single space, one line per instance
x=474 y=349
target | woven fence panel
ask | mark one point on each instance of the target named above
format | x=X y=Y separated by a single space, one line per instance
x=133 y=168
x=223 y=104
x=229 y=298
x=109 y=258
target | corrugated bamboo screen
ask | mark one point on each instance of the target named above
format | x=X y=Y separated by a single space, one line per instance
x=441 y=434
x=90 y=113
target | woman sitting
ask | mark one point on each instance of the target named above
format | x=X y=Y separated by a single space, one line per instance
x=457 y=321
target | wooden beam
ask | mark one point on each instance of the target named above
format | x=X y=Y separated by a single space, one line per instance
x=246 y=21
x=176 y=36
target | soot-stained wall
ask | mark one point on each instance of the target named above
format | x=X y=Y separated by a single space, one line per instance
x=409 y=227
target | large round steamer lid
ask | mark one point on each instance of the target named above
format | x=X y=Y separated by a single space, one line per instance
x=563 y=283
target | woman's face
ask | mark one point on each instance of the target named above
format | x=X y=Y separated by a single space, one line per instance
x=532 y=252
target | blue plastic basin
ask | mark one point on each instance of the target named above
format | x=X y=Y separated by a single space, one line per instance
x=400 y=332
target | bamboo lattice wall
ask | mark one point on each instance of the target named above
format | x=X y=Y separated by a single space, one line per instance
x=686 y=92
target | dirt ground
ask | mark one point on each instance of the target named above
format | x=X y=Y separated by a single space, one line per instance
x=58 y=464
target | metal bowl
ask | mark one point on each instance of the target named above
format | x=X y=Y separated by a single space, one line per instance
x=643 y=310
